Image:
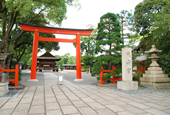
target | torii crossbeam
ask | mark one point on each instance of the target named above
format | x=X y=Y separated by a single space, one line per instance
x=43 y=29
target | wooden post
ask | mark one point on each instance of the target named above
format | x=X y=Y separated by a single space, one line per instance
x=0 y=69
x=34 y=56
x=16 y=75
x=78 y=57
x=101 y=75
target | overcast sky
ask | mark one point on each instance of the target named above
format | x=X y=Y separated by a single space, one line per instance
x=90 y=13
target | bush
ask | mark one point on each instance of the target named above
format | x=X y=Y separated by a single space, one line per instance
x=12 y=75
x=136 y=76
x=164 y=63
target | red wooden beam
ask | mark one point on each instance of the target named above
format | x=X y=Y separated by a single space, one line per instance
x=56 y=40
x=8 y=70
x=33 y=28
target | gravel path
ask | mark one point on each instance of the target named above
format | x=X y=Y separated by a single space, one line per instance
x=11 y=93
x=141 y=90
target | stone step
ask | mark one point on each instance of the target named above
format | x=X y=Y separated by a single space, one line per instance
x=154 y=72
x=156 y=85
x=155 y=79
x=154 y=69
x=155 y=75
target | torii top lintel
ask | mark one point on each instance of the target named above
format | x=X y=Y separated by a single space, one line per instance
x=52 y=30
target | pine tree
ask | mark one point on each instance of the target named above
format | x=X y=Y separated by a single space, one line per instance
x=109 y=42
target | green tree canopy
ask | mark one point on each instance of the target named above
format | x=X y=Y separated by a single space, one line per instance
x=153 y=23
x=153 y=15
x=109 y=41
x=28 y=11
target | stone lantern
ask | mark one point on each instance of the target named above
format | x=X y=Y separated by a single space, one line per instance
x=153 y=51
x=154 y=77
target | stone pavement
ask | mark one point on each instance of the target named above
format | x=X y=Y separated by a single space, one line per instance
x=48 y=98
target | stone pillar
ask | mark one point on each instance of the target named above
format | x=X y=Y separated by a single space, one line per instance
x=4 y=84
x=127 y=83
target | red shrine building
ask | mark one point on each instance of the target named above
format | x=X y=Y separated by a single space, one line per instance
x=47 y=62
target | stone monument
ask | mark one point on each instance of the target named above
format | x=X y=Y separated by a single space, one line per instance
x=154 y=77
x=4 y=84
x=127 y=83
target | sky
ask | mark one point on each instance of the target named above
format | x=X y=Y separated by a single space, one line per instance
x=90 y=13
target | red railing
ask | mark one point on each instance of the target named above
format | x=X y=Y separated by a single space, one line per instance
x=16 y=70
x=113 y=77
x=139 y=71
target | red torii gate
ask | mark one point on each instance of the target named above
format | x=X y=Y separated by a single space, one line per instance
x=43 y=29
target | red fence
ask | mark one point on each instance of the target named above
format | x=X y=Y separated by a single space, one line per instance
x=16 y=70
x=113 y=77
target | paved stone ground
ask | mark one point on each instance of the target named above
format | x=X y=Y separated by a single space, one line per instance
x=72 y=99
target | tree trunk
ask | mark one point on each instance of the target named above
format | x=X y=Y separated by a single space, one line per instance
x=6 y=30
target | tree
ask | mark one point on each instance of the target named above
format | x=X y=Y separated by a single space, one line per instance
x=109 y=42
x=23 y=45
x=126 y=22
x=153 y=14
x=109 y=39
x=87 y=47
x=64 y=60
x=27 y=11
x=152 y=22
x=71 y=60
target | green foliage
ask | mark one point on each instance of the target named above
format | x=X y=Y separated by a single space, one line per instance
x=48 y=46
x=51 y=9
x=12 y=75
x=65 y=59
x=152 y=22
x=86 y=68
x=152 y=14
x=88 y=49
x=71 y=60
x=39 y=12
x=29 y=62
x=136 y=76
x=164 y=62
x=126 y=20
x=25 y=59
x=109 y=43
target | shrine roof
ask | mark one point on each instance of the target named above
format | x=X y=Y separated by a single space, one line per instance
x=55 y=27
x=48 y=56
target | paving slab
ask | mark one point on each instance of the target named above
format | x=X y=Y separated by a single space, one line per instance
x=37 y=109
x=52 y=106
x=156 y=112
x=69 y=109
x=48 y=98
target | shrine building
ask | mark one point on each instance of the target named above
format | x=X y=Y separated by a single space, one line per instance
x=47 y=62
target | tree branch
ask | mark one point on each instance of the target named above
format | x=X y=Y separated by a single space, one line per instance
x=166 y=36
x=3 y=6
x=36 y=15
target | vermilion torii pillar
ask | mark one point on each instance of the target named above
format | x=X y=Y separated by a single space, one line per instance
x=43 y=29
